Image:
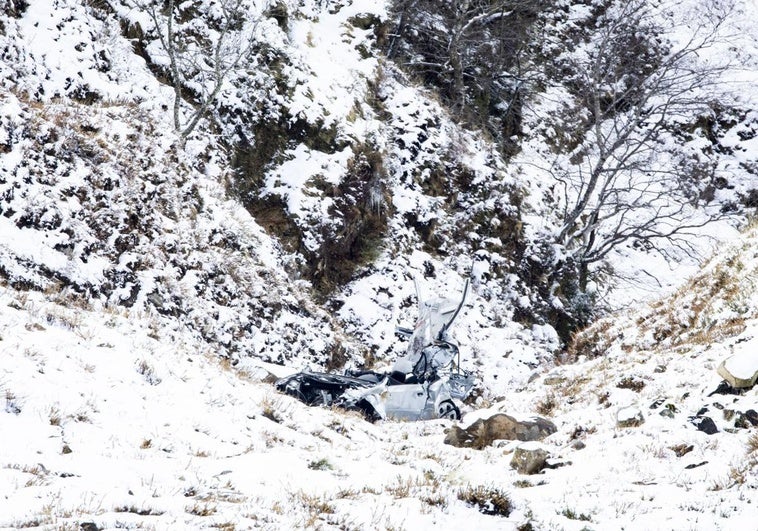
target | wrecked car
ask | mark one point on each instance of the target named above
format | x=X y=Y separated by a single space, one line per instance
x=426 y=383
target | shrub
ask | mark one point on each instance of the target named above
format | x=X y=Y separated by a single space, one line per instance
x=489 y=500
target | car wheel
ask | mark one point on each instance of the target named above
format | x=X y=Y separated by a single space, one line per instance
x=448 y=410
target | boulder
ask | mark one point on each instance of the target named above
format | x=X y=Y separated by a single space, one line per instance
x=740 y=370
x=529 y=459
x=500 y=426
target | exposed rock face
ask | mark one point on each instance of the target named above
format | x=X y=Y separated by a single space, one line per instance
x=529 y=459
x=501 y=426
x=748 y=419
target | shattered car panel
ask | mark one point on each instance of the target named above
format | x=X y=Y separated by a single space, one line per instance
x=426 y=383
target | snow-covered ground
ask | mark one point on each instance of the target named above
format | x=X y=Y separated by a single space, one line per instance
x=111 y=418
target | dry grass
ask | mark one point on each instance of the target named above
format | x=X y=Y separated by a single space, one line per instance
x=630 y=382
x=141 y=511
x=489 y=500
x=592 y=342
x=54 y=416
x=690 y=316
x=546 y=405
x=148 y=372
x=320 y=464
x=202 y=509
x=574 y=387
x=271 y=408
x=12 y=404
x=752 y=446
x=315 y=506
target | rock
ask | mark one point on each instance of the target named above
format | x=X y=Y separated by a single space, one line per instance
x=578 y=445
x=681 y=449
x=629 y=417
x=552 y=464
x=725 y=389
x=500 y=426
x=748 y=419
x=529 y=459
x=740 y=370
x=704 y=424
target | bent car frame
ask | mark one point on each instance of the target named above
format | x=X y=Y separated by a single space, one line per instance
x=426 y=383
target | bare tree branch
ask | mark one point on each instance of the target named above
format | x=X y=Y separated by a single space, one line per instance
x=633 y=88
x=199 y=62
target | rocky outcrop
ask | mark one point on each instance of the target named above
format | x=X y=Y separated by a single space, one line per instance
x=500 y=426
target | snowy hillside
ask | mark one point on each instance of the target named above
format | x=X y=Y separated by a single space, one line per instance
x=157 y=272
x=111 y=420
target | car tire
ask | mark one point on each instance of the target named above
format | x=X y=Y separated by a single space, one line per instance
x=448 y=410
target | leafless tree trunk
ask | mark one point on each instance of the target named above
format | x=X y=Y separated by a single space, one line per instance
x=200 y=58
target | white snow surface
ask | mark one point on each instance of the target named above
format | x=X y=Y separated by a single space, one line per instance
x=744 y=364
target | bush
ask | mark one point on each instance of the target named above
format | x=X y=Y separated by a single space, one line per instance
x=489 y=500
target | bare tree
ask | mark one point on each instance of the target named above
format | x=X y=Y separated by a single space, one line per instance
x=199 y=51
x=621 y=184
x=470 y=49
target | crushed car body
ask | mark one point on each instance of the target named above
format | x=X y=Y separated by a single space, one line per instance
x=427 y=383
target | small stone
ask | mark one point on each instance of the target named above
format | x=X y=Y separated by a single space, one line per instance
x=629 y=417
x=578 y=445
x=747 y=420
x=66 y=449
x=704 y=424
x=529 y=459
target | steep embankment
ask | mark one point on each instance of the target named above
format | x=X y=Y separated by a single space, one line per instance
x=102 y=205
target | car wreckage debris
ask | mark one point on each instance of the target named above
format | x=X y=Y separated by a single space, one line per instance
x=427 y=383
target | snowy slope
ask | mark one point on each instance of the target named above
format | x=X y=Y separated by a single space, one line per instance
x=114 y=419
x=140 y=304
